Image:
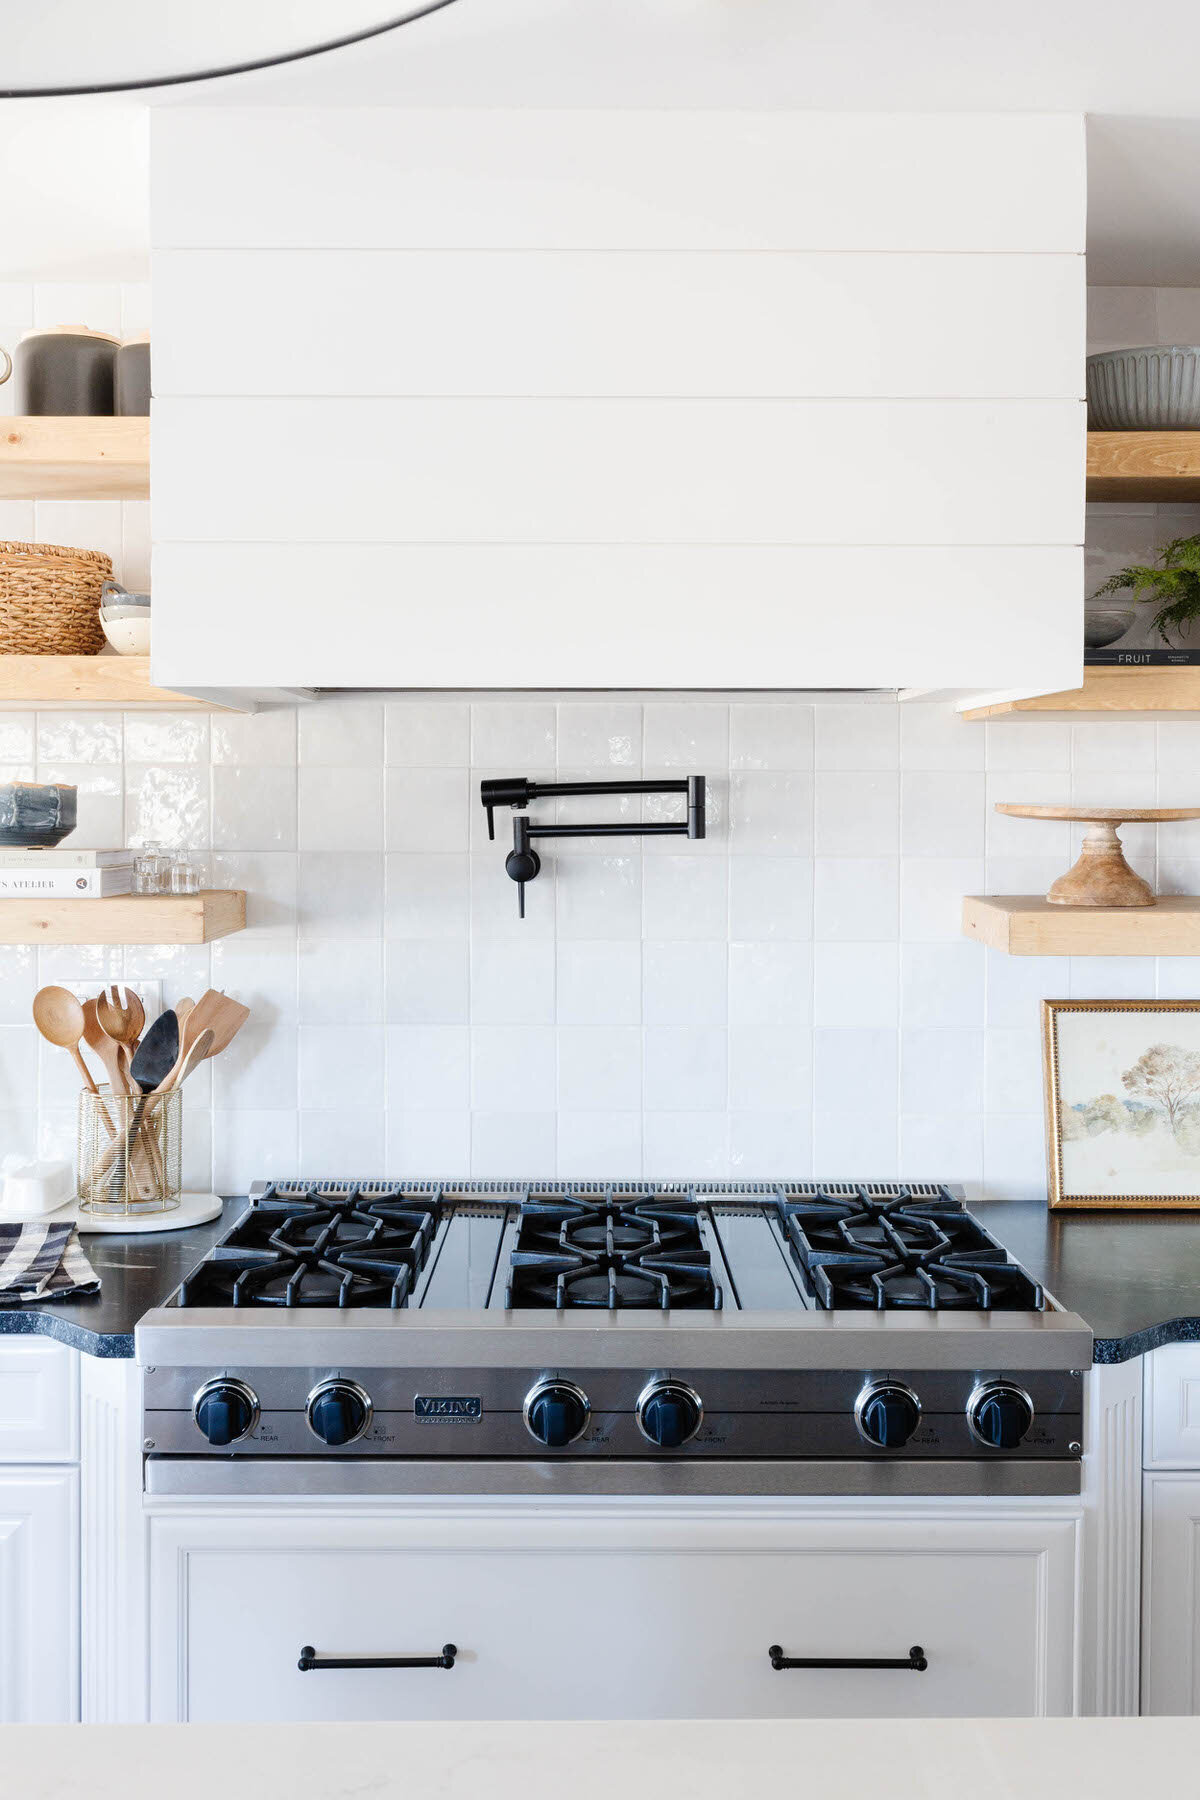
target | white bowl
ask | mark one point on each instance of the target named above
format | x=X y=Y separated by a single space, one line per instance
x=124 y=612
x=128 y=637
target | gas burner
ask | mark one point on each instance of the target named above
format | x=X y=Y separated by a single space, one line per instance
x=600 y=1252
x=903 y=1251
x=323 y=1245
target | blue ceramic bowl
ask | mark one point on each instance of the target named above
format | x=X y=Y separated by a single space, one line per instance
x=36 y=815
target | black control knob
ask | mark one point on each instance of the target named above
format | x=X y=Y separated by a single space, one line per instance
x=669 y=1413
x=338 y=1412
x=556 y=1413
x=225 y=1411
x=999 y=1415
x=887 y=1414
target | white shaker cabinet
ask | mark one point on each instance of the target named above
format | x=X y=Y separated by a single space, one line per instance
x=1171 y=1531
x=39 y=1533
x=487 y=399
x=611 y=1611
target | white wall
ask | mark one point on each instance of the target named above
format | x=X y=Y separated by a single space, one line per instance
x=791 y=995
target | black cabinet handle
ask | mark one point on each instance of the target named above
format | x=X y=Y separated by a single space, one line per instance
x=916 y=1660
x=310 y=1660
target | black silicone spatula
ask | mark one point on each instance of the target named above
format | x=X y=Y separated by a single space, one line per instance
x=156 y=1054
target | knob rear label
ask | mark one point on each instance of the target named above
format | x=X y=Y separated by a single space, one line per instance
x=447 y=1409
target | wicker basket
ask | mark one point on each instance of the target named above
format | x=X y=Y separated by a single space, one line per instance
x=50 y=600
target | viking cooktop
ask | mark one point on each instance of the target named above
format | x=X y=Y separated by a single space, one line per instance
x=378 y=1337
x=568 y=1247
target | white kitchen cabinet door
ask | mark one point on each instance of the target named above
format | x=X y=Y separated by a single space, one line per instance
x=1171 y=1594
x=39 y=1401
x=1171 y=1407
x=642 y=400
x=39 y=1595
x=617 y=1614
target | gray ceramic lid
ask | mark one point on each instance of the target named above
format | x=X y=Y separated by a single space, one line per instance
x=84 y=331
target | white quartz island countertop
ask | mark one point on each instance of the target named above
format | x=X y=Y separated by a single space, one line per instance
x=917 y=1759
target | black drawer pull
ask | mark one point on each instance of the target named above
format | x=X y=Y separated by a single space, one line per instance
x=310 y=1660
x=916 y=1659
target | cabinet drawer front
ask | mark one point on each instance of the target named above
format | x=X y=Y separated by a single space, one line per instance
x=1171 y=1407
x=39 y=1596
x=643 y=1629
x=39 y=1401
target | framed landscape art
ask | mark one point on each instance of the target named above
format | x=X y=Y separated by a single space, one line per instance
x=1122 y=1102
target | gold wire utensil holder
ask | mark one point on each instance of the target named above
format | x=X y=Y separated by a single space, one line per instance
x=130 y=1155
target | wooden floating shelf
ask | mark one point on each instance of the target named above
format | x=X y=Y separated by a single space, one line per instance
x=75 y=459
x=1027 y=925
x=1143 y=465
x=1160 y=690
x=125 y=919
x=88 y=684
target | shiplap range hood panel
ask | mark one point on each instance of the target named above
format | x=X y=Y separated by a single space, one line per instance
x=489 y=399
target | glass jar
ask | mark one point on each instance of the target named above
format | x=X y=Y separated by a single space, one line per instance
x=151 y=871
x=185 y=876
x=130 y=1157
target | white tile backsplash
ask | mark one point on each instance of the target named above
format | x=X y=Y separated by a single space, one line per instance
x=793 y=995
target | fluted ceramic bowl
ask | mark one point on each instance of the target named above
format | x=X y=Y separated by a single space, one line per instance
x=1149 y=389
x=36 y=815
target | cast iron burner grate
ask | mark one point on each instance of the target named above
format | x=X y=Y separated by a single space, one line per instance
x=603 y=1252
x=319 y=1244
x=903 y=1250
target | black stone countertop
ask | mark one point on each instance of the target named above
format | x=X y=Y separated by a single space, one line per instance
x=137 y=1271
x=1133 y=1277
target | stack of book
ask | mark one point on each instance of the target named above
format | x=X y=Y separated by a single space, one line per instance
x=65 y=874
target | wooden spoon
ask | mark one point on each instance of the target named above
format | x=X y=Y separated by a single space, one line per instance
x=97 y=1039
x=59 y=1017
x=123 y=1020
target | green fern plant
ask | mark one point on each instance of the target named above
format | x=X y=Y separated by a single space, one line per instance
x=1173 y=583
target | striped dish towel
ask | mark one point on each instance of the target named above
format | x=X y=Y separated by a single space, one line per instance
x=43 y=1261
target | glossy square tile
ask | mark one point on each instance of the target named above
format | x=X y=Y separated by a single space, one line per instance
x=599 y=1145
x=269 y=878
x=856 y=898
x=79 y=737
x=512 y=984
x=933 y=735
x=258 y=1071
x=941 y=1071
x=514 y=1067
x=425 y=1144
x=600 y=1068
x=771 y=814
x=860 y=735
x=166 y=737
x=1018 y=743
x=941 y=813
x=770 y=1069
x=685 y=897
x=253 y=808
x=695 y=1141
x=246 y=1143
x=426 y=896
x=770 y=984
x=942 y=984
x=770 y=735
x=324 y=1136
x=685 y=1068
x=684 y=983
x=857 y=814
x=100 y=802
x=598 y=896
x=511 y=734
x=428 y=1066
x=600 y=736
x=258 y=739
x=766 y=1146
x=341 y=1066
x=932 y=889
x=690 y=736
x=340 y=893
x=856 y=984
x=340 y=981
x=427 y=734
x=427 y=981
x=340 y=808
x=427 y=809
x=18 y=734
x=854 y=1062
x=18 y=982
x=770 y=897
x=599 y=982
x=512 y=1146
x=167 y=804
x=341 y=733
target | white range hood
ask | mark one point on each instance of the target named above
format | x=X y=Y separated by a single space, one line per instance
x=500 y=399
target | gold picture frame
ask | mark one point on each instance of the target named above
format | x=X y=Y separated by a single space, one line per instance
x=1149 y=1099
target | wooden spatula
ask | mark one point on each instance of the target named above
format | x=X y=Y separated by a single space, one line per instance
x=212 y=1012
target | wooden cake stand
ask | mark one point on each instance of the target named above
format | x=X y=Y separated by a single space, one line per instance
x=1102 y=877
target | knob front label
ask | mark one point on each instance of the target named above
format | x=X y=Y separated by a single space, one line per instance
x=447 y=1409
